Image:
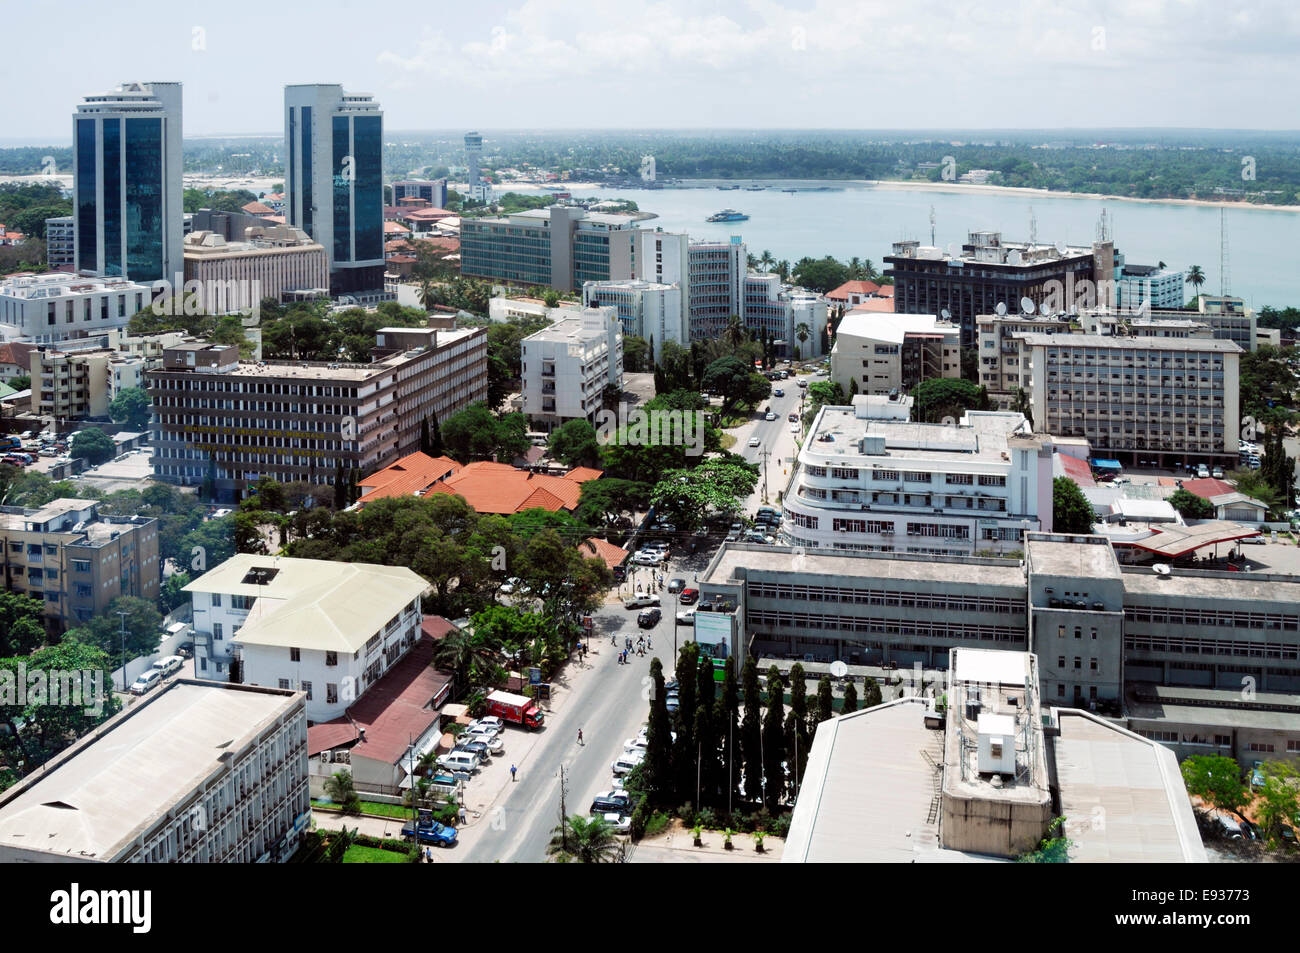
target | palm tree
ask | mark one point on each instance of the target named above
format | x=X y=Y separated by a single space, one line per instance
x=588 y=840
x=463 y=653
x=339 y=789
x=735 y=332
x=802 y=332
x=869 y=272
x=751 y=262
x=427 y=295
x=1195 y=278
x=766 y=260
x=855 y=268
x=783 y=269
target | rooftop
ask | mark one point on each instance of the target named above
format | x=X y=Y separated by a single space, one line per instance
x=411 y=475
x=1083 y=557
x=1181 y=584
x=892 y=327
x=1142 y=343
x=853 y=287
x=500 y=488
x=95 y=798
x=981 y=438
x=862 y=568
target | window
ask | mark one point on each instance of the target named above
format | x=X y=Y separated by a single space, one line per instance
x=1078 y=663
x=216 y=600
x=1060 y=661
x=1094 y=635
x=1060 y=690
x=1060 y=632
x=284 y=683
x=1225 y=741
x=218 y=631
x=1092 y=664
x=1261 y=748
x=203 y=664
x=306 y=687
x=331 y=693
x=1078 y=632
x=295 y=655
x=331 y=658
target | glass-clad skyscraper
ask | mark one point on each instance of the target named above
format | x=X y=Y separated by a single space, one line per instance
x=334 y=180
x=128 y=194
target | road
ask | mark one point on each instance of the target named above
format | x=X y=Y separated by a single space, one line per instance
x=776 y=438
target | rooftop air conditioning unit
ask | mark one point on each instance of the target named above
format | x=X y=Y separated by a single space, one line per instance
x=325 y=756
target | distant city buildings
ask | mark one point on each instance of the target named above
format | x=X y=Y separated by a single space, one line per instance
x=886 y=353
x=61 y=243
x=432 y=191
x=334 y=182
x=567 y=366
x=647 y=309
x=126 y=153
x=560 y=246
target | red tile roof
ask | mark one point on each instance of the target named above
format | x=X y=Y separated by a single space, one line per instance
x=395 y=228
x=594 y=548
x=16 y=352
x=426 y=214
x=1208 y=488
x=583 y=474
x=412 y=474
x=874 y=305
x=886 y=291
x=394 y=710
x=436 y=627
x=1077 y=470
x=257 y=208
x=500 y=488
x=853 y=287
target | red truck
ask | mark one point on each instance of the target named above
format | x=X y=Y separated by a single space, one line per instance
x=515 y=708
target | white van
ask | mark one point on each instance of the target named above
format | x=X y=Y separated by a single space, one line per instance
x=626 y=763
x=149 y=679
x=459 y=761
x=169 y=664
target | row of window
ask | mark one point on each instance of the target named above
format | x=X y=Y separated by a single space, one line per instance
x=909 y=628
x=879 y=597
x=1217 y=617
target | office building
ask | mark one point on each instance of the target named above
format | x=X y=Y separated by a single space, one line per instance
x=716 y=283
x=785 y=314
x=560 y=246
x=194 y=772
x=994 y=770
x=1171 y=400
x=974 y=279
x=58 y=307
x=327 y=629
x=127 y=190
x=567 y=366
x=473 y=174
x=431 y=191
x=879 y=485
x=77 y=561
x=231 y=421
x=72 y=383
x=888 y=353
x=334 y=181
x=647 y=309
x=61 y=243
x=1149 y=286
x=280 y=262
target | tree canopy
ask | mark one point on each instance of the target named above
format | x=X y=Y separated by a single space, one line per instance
x=1071 y=511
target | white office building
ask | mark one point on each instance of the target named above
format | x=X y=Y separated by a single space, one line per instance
x=328 y=629
x=647 y=309
x=567 y=366
x=882 y=353
x=128 y=195
x=872 y=485
x=57 y=307
x=1148 y=285
x=61 y=243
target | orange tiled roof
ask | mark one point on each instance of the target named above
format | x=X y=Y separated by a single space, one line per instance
x=595 y=548
x=257 y=208
x=886 y=291
x=412 y=474
x=500 y=488
x=853 y=287
x=16 y=352
x=874 y=305
x=394 y=228
x=583 y=474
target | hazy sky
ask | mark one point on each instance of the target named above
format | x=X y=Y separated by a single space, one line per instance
x=671 y=64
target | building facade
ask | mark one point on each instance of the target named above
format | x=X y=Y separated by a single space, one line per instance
x=886 y=353
x=560 y=247
x=61 y=243
x=647 y=309
x=57 y=307
x=1148 y=286
x=270 y=263
x=77 y=561
x=74 y=383
x=567 y=366
x=229 y=421
x=334 y=181
x=433 y=191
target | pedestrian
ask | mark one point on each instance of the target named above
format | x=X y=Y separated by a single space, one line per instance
x=613 y=638
x=462 y=815
x=650 y=643
x=512 y=772
x=580 y=736
x=428 y=855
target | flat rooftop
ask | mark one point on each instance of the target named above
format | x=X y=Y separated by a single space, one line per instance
x=1143 y=343
x=1079 y=560
x=1122 y=796
x=99 y=795
x=980 y=438
x=891 y=326
x=1238 y=586
x=862 y=568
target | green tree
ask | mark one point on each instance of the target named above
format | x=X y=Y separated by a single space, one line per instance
x=870 y=693
x=656 y=770
x=574 y=444
x=340 y=790
x=1021 y=404
x=602 y=501
x=942 y=397
x=635 y=354
x=1052 y=849
x=714 y=487
x=726 y=720
x=57 y=726
x=1195 y=277
x=1277 y=803
x=1071 y=511
x=436 y=446
x=1217 y=781
x=751 y=731
x=774 y=741
x=850 y=701
x=139 y=627
x=475 y=434
x=21 y=624
x=684 y=753
x=796 y=724
x=93 y=444
x=587 y=840
x=821 y=274
x=1190 y=506
x=708 y=767
x=825 y=708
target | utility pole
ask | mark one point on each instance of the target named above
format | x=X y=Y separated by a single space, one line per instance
x=121 y=614
x=564 y=816
x=765 y=453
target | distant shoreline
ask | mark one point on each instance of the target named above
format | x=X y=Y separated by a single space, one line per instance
x=895 y=185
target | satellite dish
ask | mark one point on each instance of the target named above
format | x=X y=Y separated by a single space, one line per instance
x=946 y=314
x=1044 y=309
x=1062 y=248
x=1001 y=307
x=954 y=250
x=1027 y=305
x=1014 y=257
x=1160 y=569
x=839 y=669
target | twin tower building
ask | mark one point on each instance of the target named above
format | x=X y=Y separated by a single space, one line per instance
x=128 y=216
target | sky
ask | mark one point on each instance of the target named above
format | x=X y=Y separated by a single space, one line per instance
x=670 y=64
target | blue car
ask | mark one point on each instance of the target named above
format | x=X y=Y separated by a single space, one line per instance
x=1257 y=776
x=432 y=832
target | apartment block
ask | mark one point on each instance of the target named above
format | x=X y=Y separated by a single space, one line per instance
x=76 y=560
x=71 y=383
x=567 y=366
x=888 y=353
x=277 y=262
x=1148 y=286
x=61 y=243
x=716 y=286
x=1172 y=400
x=877 y=485
x=432 y=191
x=217 y=417
x=648 y=309
x=57 y=307
x=786 y=314
x=560 y=246
x=327 y=629
x=194 y=772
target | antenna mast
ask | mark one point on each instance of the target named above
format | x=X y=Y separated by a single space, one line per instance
x=932 y=225
x=1224 y=282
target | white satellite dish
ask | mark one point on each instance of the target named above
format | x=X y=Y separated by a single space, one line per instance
x=1160 y=569
x=1001 y=307
x=1014 y=257
x=946 y=314
x=1027 y=305
x=839 y=669
x=954 y=250
x=1062 y=248
x=1045 y=309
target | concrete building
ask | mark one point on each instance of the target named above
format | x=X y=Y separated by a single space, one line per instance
x=306 y=421
x=1149 y=286
x=77 y=561
x=785 y=313
x=334 y=182
x=128 y=193
x=57 y=307
x=567 y=366
x=503 y=308
x=433 y=191
x=1172 y=400
x=560 y=247
x=73 y=383
x=972 y=279
x=194 y=772
x=716 y=286
x=61 y=243
x=994 y=769
x=272 y=262
x=888 y=353
x=473 y=174
x=646 y=309
x=873 y=485
x=327 y=629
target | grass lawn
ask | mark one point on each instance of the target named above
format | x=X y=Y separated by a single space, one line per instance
x=357 y=854
x=370 y=807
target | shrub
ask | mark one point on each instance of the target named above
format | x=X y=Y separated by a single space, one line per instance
x=657 y=824
x=687 y=813
x=640 y=819
x=707 y=818
x=779 y=826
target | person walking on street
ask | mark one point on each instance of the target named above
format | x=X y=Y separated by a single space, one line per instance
x=513 y=769
x=462 y=815
x=580 y=741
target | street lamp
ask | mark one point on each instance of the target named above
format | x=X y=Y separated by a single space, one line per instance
x=122 y=631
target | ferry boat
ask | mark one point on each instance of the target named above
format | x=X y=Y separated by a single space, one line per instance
x=728 y=215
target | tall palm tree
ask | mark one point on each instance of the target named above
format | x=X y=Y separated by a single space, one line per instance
x=869 y=272
x=751 y=262
x=783 y=269
x=855 y=269
x=802 y=332
x=766 y=260
x=1195 y=278
x=464 y=653
x=735 y=332
x=587 y=840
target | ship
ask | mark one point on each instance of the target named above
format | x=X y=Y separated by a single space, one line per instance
x=755 y=188
x=728 y=215
x=727 y=188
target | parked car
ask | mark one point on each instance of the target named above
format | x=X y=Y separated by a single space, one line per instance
x=485 y=736
x=185 y=650
x=149 y=679
x=609 y=801
x=1217 y=473
x=476 y=748
x=785 y=375
x=1203 y=472
x=431 y=832
x=676 y=585
x=794 y=428
x=689 y=597
x=647 y=558
x=621 y=823
x=793 y=417
x=490 y=722
x=1253 y=540
x=686 y=617
x=460 y=761
x=640 y=602
x=510 y=585
x=649 y=618
x=633 y=745
x=778 y=392
x=625 y=763
x=169 y=664
x=801 y=382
